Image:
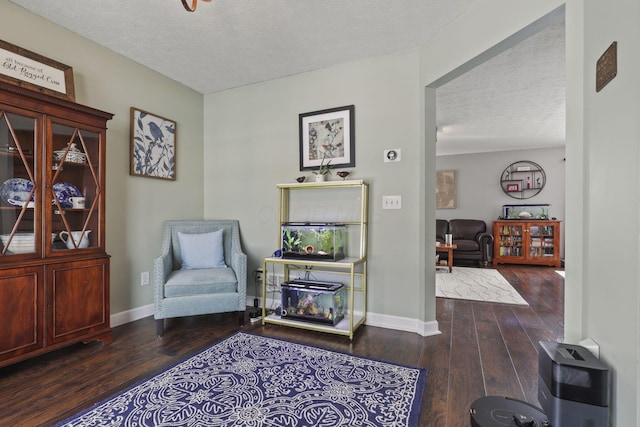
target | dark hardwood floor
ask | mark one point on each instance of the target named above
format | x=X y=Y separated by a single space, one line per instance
x=484 y=349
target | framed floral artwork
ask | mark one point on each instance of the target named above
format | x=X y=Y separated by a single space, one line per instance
x=328 y=135
x=153 y=146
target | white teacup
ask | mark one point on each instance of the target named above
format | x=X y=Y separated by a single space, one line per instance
x=77 y=202
x=81 y=241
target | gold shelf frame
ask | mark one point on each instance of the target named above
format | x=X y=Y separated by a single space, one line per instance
x=353 y=267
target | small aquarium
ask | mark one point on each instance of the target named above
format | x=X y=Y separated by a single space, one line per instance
x=315 y=241
x=525 y=211
x=313 y=301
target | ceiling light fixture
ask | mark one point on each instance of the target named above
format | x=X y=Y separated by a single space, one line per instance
x=191 y=8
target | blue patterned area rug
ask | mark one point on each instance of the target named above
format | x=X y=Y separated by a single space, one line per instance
x=250 y=380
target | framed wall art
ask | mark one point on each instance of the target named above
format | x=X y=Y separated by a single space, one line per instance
x=446 y=189
x=153 y=146
x=511 y=188
x=329 y=135
x=21 y=67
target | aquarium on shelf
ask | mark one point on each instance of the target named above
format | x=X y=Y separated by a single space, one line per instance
x=313 y=301
x=314 y=241
x=540 y=211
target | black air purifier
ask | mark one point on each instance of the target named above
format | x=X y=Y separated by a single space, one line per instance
x=573 y=386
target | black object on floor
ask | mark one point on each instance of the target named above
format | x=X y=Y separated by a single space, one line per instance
x=497 y=411
x=573 y=385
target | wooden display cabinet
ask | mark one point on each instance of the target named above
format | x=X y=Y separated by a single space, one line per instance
x=54 y=270
x=534 y=242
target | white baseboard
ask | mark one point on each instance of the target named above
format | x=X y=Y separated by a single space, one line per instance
x=123 y=317
x=406 y=324
x=430 y=328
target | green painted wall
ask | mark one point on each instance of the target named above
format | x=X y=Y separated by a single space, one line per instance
x=136 y=207
x=251 y=144
x=235 y=146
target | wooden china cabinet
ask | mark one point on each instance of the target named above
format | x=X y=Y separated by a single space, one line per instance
x=54 y=270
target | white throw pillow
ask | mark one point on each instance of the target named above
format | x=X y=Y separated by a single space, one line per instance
x=203 y=250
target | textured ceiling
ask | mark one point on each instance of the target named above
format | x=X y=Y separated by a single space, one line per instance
x=231 y=43
x=515 y=100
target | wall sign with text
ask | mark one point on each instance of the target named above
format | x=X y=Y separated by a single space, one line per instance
x=33 y=71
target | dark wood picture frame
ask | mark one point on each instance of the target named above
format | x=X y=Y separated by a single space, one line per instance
x=153 y=146
x=21 y=67
x=328 y=134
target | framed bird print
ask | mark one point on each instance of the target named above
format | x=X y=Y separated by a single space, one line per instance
x=153 y=146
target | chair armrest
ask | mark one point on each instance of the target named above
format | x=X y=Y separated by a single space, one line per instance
x=486 y=237
x=162 y=266
x=239 y=266
x=485 y=241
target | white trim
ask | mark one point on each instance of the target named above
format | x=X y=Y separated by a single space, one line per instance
x=406 y=324
x=430 y=328
x=123 y=317
x=403 y=324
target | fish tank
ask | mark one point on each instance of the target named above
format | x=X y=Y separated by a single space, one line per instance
x=313 y=301
x=526 y=211
x=314 y=241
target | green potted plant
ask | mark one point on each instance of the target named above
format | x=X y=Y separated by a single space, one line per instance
x=291 y=241
x=323 y=170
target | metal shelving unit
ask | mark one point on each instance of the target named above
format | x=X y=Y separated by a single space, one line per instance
x=353 y=268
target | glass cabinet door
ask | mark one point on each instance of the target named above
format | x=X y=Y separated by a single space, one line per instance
x=75 y=190
x=19 y=192
x=541 y=241
x=510 y=240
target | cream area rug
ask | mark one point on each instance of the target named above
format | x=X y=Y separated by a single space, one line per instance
x=477 y=284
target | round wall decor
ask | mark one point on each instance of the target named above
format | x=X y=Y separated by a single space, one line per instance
x=523 y=179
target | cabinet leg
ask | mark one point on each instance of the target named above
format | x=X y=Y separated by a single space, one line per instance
x=105 y=339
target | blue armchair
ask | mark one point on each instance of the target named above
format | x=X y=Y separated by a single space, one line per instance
x=201 y=270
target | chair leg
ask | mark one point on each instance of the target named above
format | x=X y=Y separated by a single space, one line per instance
x=159 y=327
x=241 y=315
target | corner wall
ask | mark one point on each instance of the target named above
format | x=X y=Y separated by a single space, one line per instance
x=602 y=285
x=611 y=291
x=136 y=207
x=251 y=144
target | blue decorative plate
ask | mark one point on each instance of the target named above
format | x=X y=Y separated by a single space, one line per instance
x=15 y=191
x=63 y=191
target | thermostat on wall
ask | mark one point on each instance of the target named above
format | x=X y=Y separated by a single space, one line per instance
x=392 y=155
